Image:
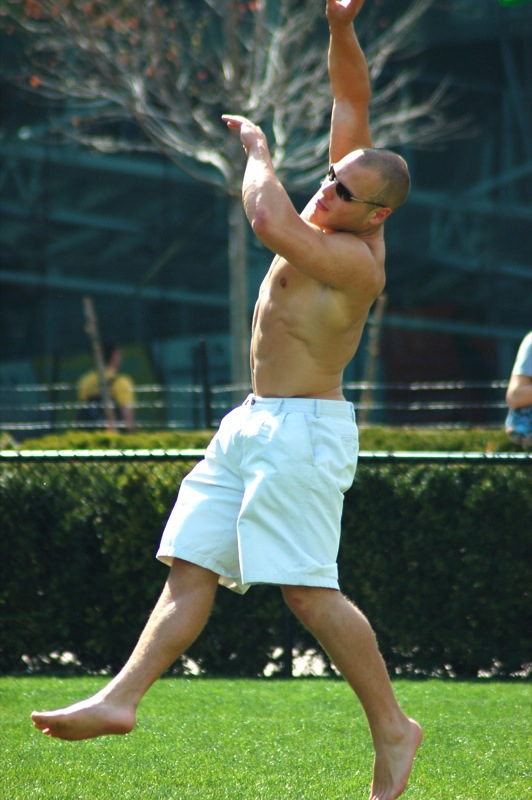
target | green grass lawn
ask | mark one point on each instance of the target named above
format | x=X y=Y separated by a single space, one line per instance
x=265 y=740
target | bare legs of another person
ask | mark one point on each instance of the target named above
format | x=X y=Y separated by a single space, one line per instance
x=346 y=635
x=177 y=619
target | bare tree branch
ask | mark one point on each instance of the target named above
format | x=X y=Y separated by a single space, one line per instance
x=156 y=75
x=173 y=67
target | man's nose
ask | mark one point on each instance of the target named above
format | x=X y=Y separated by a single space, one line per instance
x=328 y=187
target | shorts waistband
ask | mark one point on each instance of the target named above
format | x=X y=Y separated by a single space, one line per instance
x=307 y=405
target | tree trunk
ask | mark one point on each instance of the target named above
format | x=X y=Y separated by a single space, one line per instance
x=238 y=292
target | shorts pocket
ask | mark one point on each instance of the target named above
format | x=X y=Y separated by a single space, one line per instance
x=283 y=438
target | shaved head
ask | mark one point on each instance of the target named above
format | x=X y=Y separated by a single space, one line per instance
x=393 y=171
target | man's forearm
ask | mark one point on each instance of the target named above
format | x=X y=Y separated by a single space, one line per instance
x=350 y=84
x=266 y=202
x=263 y=195
x=348 y=71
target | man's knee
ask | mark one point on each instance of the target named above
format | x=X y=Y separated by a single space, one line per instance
x=307 y=601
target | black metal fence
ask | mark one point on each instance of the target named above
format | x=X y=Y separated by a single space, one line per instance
x=41 y=408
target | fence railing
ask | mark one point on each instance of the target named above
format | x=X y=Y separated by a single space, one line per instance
x=40 y=408
x=159 y=455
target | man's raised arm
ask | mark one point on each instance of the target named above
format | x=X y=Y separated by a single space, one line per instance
x=349 y=78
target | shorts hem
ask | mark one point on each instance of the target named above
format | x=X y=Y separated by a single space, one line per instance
x=201 y=560
x=238 y=584
x=294 y=580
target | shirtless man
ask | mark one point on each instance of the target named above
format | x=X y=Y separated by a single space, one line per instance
x=264 y=505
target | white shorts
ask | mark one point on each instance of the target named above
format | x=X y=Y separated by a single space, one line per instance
x=265 y=504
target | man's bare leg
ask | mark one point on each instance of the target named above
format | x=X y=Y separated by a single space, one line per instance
x=176 y=621
x=346 y=635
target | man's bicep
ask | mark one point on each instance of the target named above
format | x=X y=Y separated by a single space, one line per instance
x=349 y=130
x=338 y=260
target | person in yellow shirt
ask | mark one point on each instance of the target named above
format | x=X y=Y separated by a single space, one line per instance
x=121 y=389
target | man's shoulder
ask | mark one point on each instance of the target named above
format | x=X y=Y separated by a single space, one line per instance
x=121 y=379
x=122 y=388
x=362 y=253
x=88 y=384
x=361 y=263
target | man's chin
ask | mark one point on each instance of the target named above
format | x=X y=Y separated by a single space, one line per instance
x=315 y=215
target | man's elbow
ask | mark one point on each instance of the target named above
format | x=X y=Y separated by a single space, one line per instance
x=262 y=225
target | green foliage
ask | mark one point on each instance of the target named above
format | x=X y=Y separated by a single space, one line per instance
x=436 y=555
x=482 y=440
x=88 y=440
x=77 y=571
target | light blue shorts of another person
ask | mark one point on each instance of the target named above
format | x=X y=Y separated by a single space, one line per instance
x=264 y=505
x=519 y=426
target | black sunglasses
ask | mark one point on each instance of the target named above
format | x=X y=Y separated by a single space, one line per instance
x=343 y=192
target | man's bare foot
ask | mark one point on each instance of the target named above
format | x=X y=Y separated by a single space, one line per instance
x=393 y=763
x=96 y=716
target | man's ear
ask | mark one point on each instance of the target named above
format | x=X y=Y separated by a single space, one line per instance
x=379 y=215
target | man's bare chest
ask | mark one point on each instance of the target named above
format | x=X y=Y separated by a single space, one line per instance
x=289 y=303
x=284 y=285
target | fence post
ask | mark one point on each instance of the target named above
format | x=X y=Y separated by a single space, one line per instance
x=202 y=362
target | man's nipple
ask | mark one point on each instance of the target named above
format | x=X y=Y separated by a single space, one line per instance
x=283 y=282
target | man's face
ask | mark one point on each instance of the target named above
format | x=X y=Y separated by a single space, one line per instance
x=340 y=204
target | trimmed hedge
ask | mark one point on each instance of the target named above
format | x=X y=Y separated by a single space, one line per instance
x=484 y=440
x=437 y=556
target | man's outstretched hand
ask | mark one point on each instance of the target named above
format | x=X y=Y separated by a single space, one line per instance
x=343 y=11
x=250 y=134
